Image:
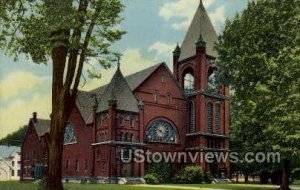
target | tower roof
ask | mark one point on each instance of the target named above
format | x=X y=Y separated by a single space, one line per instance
x=119 y=90
x=201 y=25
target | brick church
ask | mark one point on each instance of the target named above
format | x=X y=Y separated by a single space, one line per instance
x=154 y=109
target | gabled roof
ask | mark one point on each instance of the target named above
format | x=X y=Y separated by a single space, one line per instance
x=118 y=89
x=201 y=25
x=85 y=101
x=42 y=126
x=7 y=151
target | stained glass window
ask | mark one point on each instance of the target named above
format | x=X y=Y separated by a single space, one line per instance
x=161 y=130
x=217 y=118
x=209 y=117
x=69 y=136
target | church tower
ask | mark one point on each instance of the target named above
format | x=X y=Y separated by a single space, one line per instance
x=193 y=67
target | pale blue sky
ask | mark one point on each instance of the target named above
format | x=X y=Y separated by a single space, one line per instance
x=153 y=29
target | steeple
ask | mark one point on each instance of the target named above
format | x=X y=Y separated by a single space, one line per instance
x=200 y=26
x=177 y=50
x=200 y=42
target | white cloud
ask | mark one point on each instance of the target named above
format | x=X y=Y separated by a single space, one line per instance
x=218 y=16
x=163 y=51
x=131 y=62
x=17 y=82
x=180 y=13
x=21 y=94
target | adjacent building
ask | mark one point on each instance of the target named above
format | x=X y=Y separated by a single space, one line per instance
x=154 y=109
x=10 y=163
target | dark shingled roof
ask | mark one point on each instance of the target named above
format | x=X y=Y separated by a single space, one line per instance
x=42 y=126
x=118 y=89
x=123 y=88
x=201 y=24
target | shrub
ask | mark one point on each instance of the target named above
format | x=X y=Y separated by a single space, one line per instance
x=151 y=179
x=207 y=178
x=83 y=181
x=41 y=183
x=190 y=174
x=93 y=180
x=163 y=171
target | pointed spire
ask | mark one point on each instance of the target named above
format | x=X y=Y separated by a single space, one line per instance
x=200 y=43
x=177 y=50
x=200 y=24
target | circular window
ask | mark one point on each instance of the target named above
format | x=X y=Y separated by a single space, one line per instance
x=161 y=130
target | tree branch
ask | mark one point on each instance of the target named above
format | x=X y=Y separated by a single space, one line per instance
x=83 y=52
x=75 y=45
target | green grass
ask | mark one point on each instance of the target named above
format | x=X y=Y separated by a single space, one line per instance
x=14 y=185
x=234 y=186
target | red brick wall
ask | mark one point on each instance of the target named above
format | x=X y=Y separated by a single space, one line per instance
x=81 y=150
x=175 y=112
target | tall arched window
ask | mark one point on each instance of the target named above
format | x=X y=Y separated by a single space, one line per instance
x=189 y=81
x=192 y=117
x=161 y=130
x=209 y=117
x=218 y=118
x=69 y=136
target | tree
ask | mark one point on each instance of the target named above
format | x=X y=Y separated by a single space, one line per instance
x=259 y=57
x=15 y=138
x=69 y=33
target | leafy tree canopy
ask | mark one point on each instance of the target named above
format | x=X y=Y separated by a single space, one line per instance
x=259 y=57
x=15 y=138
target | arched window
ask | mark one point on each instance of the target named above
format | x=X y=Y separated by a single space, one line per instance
x=189 y=81
x=209 y=117
x=69 y=136
x=212 y=83
x=121 y=121
x=218 y=118
x=161 y=130
x=192 y=128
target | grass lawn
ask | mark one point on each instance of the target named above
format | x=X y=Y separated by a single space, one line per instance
x=15 y=185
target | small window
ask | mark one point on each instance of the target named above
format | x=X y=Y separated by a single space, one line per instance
x=67 y=166
x=169 y=99
x=86 y=164
x=13 y=163
x=155 y=96
x=76 y=166
x=188 y=82
x=162 y=79
x=12 y=172
x=132 y=121
x=209 y=117
x=121 y=121
x=19 y=173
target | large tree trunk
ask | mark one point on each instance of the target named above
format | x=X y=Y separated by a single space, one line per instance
x=285 y=175
x=246 y=177
x=58 y=119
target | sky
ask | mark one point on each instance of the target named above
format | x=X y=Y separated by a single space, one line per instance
x=153 y=27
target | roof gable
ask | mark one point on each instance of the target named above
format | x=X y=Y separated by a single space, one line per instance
x=119 y=89
x=200 y=25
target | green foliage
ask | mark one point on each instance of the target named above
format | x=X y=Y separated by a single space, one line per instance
x=90 y=27
x=83 y=181
x=93 y=180
x=259 y=57
x=190 y=174
x=151 y=179
x=207 y=178
x=41 y=184
x=163 y=171
x=15 y=138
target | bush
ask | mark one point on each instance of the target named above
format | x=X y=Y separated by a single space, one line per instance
x=190 y=174
x=151 y=179
x=83 y=181
x=41 y=183
x=162 y=171
x=93 y=180
x=207 y=178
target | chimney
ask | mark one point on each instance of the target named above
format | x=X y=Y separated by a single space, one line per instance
x=34 y=116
